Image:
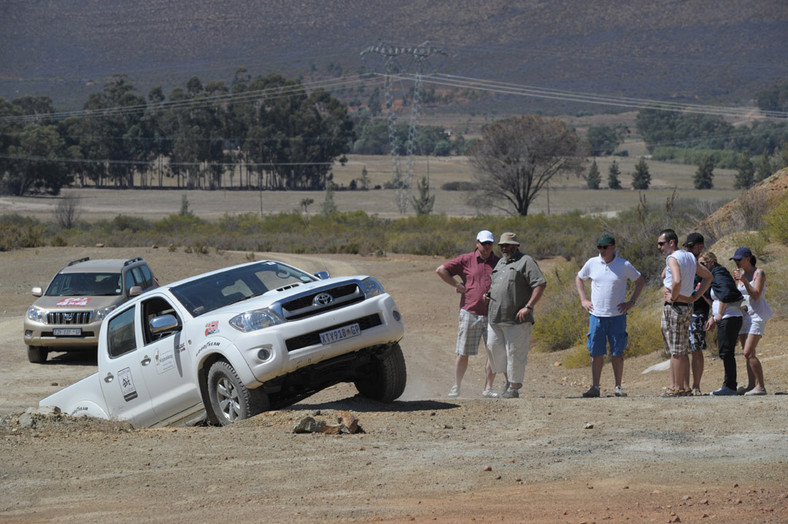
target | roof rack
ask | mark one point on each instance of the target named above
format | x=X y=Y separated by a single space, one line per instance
x=77 y=261
x=132 y=260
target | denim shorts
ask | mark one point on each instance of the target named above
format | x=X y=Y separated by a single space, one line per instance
x=604 y=330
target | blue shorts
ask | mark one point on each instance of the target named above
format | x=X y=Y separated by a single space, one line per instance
x=602 y=330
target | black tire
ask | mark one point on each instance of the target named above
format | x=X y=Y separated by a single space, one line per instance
x=37 y=355
x=229 y=399
x=385 y=379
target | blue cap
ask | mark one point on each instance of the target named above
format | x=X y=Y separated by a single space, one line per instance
x=742 y=252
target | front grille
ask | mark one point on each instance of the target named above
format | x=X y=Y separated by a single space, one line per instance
x=306 y=306
x=69 y=317
x=313 y=338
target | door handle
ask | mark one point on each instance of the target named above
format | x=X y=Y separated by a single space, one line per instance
x=145 y=361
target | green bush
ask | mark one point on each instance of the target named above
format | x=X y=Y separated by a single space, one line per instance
x=777 y=221
x=723 y=158
x=561 y=322
x=19 y=232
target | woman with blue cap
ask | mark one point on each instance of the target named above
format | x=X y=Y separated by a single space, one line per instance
x=752 y=284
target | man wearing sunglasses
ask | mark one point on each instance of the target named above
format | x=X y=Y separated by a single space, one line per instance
x=474 y=270
x=680 y=294
x=607 y=309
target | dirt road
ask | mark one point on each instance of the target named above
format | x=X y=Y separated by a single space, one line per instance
x=550 y=456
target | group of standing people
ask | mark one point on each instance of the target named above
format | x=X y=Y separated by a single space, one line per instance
x=733 y=304
x=498 y=295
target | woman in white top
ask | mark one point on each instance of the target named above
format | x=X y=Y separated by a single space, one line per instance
x=752 y=284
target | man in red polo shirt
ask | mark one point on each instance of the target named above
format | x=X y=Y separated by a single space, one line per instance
x=474 y=270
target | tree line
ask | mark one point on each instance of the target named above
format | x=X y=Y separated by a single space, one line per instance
x=266 y=130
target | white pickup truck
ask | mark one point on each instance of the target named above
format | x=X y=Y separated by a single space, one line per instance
x=238 y=341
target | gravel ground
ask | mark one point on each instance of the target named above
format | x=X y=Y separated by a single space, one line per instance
x=550 y=456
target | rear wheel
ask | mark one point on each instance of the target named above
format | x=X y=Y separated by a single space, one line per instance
x=37 y=355
x=229 y=399
x=384 y=380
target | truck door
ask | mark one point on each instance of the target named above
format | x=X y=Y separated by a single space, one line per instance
x=171 y=378
x=122 y=370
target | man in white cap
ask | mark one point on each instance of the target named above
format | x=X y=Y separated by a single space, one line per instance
x=516 y=286
x=474 y=270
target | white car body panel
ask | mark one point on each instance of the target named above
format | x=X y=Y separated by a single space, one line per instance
x=158 y=381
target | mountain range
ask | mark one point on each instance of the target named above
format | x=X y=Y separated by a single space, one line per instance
x=668 y=50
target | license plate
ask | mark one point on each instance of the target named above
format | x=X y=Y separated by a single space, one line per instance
x=342 y=333
x=67 y=332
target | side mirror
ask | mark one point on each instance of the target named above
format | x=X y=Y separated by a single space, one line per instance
x=37 y=292
x=322 y=275
x=135 y=290
x=164 y=324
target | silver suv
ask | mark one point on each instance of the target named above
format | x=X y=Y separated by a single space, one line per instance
x=68 y=316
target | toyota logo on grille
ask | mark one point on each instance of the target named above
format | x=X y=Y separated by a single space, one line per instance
x=323 y=299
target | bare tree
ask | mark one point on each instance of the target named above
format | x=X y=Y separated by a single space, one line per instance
x=68 y=211
x=517 y=157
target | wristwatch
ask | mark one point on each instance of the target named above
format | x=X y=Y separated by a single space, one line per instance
x=529 y=306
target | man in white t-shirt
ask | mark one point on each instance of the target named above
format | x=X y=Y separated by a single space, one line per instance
x=607 y=309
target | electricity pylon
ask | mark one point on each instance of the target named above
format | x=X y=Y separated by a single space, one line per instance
x=417 y=55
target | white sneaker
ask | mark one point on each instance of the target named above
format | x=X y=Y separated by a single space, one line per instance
x=619 y=392
x=490 y=393
x=454 y=392
x=755 y=391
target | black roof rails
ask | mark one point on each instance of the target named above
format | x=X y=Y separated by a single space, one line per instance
x=77 y=261
x=132 y=260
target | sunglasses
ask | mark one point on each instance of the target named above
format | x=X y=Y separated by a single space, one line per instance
x=486 y=243
x=602 y=248
x=660 y=244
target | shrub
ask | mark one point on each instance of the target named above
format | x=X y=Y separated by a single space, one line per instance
x=561 y=322
x=18 y=232
x=460 y=186
x=777 y=221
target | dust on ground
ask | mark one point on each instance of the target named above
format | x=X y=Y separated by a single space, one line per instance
x=550 y=456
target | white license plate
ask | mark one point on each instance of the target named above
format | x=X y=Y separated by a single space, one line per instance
x=67 y=332
x=344 y=332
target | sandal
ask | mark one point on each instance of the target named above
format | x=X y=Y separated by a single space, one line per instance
x=670 y=392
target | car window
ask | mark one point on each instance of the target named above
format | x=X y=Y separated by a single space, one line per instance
x=84 y=284
x=221 y=289
x=120 y=333
x=147 y=276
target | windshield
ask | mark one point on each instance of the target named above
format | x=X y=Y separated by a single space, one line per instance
x=85 y=284
x=228 y=287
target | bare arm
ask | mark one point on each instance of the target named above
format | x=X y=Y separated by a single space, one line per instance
x=536 y=294
x=755 y=291
x=581 y=290
x=449 y=279
x=626 y=306
x=671 y=295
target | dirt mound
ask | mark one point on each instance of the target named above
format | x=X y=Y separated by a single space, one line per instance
x=736 y=215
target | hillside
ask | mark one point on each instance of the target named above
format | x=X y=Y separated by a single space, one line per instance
x=659 y=50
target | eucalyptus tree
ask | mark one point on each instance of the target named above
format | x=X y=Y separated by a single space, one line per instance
x=292 y=137
x=39 y=165
x=112 y=134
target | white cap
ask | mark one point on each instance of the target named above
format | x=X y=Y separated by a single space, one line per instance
x=485 y=236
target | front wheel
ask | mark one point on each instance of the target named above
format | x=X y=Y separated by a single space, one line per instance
x=230 y=400
x=37 y=355
x=384 y=380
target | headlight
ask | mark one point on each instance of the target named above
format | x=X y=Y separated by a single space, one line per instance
x=257 y=319
x=103 y=312
x=36 y=315
x=372 y=287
